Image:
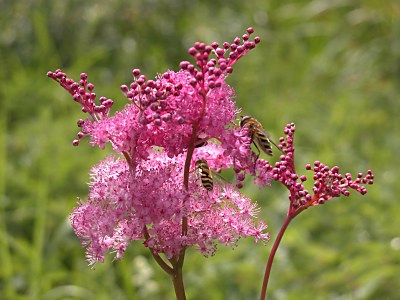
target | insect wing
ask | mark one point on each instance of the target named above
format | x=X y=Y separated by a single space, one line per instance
x=261 y=138
x=257 y=133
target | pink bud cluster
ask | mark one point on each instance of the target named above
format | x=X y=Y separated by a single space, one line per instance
x=82 y=92
x=171 y=111
x=209 y=73
x=328 y=182
x=152 y=95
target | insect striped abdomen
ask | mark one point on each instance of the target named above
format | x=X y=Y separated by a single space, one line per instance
x=257 y=134
x=205 y=174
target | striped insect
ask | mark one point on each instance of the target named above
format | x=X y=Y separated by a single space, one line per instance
x=205 y=174
x=257 y=134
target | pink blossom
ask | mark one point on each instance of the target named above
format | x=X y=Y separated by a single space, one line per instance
x=155 y=194
x=122 y=203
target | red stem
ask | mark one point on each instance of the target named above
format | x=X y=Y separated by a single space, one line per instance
x=177 y=277
x=179 y=288
x=277 y=241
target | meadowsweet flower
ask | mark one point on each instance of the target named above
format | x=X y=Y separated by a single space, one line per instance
x=168 y=111
x=155 y=194
x=152 y=190
x=328 y=182
x=121 y=204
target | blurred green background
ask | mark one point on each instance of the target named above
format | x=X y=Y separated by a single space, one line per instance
x=332 y=67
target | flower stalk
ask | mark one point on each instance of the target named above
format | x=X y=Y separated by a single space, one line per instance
x=177 y=280
x=328 y=184
x=271 y=256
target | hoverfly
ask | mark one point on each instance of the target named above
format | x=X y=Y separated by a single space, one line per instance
x=257 y=134
x=205 y=174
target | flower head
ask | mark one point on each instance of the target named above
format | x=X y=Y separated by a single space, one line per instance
x=155 y=194
x=328 y=182
x=122 y=205
x=168 y=112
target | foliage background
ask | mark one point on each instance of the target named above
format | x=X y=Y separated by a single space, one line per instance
x=332 y=67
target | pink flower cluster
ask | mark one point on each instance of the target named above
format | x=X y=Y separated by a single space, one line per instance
x=121 y=205
x=171 y=111
x=155 y=194
x=328 y=182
